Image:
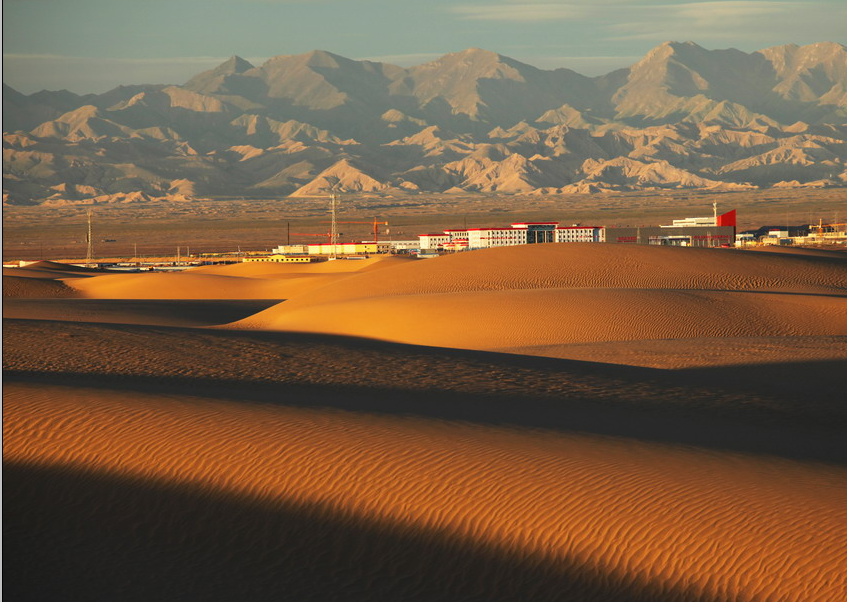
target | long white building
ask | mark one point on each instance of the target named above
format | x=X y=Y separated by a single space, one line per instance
x=520 y=233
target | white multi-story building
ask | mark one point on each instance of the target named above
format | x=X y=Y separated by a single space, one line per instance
x=482 y=238
x=520 y=233
x=432 y=242
x=580 y=234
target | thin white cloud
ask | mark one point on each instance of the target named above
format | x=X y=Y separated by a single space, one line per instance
x=404 y=60
x=658 y=21
x=523 y=11
x=729 y=20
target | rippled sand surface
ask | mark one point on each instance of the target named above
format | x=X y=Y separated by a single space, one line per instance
x=648 y=424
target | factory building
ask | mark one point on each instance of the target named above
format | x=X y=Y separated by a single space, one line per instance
x=716 y=231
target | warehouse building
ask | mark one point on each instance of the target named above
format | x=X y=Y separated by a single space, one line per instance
x=716 y=231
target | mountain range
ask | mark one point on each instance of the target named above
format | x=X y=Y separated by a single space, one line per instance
x=471 y=121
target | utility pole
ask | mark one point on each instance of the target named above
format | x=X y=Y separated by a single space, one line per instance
x=288 y=234
x=177 y=255
x=135 y=253
x=89 y=256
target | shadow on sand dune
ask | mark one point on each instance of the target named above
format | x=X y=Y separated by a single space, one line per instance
x=81 y=536
x=151 y=312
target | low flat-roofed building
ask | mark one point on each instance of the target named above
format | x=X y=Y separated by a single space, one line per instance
x=353 y=248
x=290 y=250
x=400 y=245
x=276 y=258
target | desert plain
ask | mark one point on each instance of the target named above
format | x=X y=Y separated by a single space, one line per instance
x=545 y=422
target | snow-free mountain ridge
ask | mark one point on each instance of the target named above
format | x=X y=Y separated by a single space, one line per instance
x=472 y=121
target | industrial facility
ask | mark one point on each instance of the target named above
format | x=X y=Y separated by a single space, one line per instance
x=712 y=231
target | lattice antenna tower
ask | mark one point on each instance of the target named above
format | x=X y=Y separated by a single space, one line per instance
x=89 y=256
x=333 y=232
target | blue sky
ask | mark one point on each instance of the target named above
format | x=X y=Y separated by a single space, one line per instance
x=94 y=45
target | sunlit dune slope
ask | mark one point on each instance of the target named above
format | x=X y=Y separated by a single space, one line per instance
x=592 y=265
x=557 y=515
x=498 y=319
x=271 y=269
x=167 y=285
x=235 y=281
x=576 y=293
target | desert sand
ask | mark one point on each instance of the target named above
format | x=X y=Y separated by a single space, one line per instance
x=561 y=422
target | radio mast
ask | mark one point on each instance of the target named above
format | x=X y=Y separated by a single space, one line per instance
x=333 y=232
x=89 y=257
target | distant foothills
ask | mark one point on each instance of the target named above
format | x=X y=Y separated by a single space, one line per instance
x=683 y=117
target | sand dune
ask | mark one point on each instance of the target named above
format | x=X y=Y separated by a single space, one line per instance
x=698 y=352
x=151 y=312
x=831 y=252
x=589 y=265
x=165 y=285
x=632 y=520
x=49 y=273
x=35 y=288
x=360 y=441
x=270 y=269
x=53 y=266
x=496 y=319
x=236 y=281
x=578 y=293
